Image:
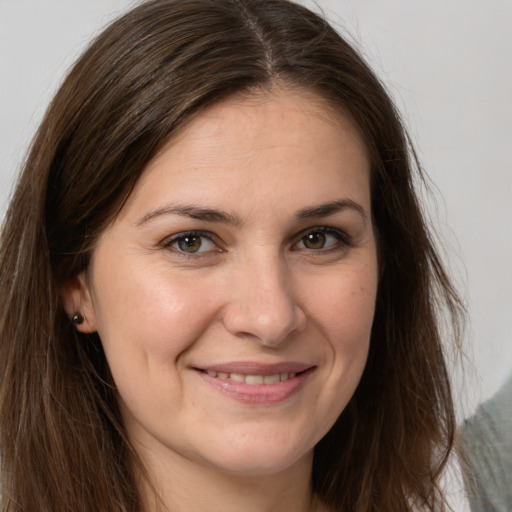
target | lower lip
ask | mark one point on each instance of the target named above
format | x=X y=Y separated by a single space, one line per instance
x=260 y=394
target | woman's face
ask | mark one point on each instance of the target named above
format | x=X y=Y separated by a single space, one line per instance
x=234 y=294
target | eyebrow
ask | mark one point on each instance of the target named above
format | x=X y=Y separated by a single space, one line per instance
x=193 y=212
x=224 y=217
x=327 y=209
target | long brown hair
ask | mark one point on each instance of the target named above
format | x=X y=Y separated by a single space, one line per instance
x=63 y=445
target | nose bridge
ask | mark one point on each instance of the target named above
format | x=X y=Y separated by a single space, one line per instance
x=263 y=304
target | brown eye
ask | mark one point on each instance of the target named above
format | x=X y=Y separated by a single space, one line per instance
x=314 y=240
x=323 y=239
x=189 y=243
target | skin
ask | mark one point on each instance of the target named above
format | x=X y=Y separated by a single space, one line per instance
x=274 y=279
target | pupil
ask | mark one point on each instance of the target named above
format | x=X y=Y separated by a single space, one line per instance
x=315 y=240
x=190 y=243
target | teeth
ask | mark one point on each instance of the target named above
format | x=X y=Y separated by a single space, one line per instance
x=253 y=379
x=271 y=379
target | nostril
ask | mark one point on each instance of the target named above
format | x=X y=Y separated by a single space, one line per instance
x=271 y=327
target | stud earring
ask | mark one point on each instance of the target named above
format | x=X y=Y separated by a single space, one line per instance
x=77 y=319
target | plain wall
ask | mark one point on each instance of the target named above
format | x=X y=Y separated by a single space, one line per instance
x=448 y=63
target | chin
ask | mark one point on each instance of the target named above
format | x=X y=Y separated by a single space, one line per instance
x=259 y=459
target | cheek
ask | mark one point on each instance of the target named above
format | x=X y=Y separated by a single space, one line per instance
x=345 y=304
x=155 y=312
x=344 y=312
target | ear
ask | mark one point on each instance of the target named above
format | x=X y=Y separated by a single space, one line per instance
x=77 y=299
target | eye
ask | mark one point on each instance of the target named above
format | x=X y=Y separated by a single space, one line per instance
x=191 y=243
x=322 y=238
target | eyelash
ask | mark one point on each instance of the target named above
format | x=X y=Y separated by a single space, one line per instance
x=168 y=242
x=343 y=241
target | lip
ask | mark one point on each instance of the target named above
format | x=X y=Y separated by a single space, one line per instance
x=252 y=368
x=257 y=394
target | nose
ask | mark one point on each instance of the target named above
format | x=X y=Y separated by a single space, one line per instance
x=263 y=305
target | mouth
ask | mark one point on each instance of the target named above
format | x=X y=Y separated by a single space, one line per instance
x=257 y=384
x=253 y=380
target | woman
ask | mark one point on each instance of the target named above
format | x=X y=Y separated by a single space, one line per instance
x=217 y=287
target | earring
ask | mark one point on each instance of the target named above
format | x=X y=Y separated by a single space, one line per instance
x=77 y=319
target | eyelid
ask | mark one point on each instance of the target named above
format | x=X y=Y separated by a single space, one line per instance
x=345 y=239
x=167 y=243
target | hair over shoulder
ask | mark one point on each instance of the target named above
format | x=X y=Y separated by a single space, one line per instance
x=63 y=445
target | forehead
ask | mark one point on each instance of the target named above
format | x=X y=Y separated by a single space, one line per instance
x=270 y=142
x=282 y=105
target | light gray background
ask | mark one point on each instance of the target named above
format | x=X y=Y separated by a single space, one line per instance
x=448 y=63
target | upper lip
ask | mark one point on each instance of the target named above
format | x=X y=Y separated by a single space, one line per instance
x=254 y=368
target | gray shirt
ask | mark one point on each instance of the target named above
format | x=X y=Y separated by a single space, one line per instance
x=486 y=438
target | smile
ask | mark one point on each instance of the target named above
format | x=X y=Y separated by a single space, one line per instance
x=258 y=384
x=253 y=379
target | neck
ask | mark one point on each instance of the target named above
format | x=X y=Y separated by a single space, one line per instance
x=188 y=486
